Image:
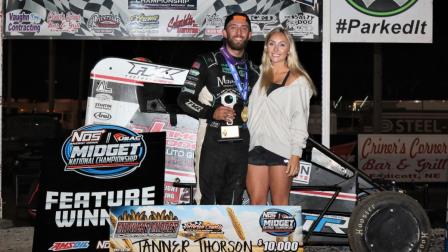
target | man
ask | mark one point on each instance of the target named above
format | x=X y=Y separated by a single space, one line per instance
x=216 y=91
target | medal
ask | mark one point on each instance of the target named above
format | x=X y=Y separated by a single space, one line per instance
x=245 y=114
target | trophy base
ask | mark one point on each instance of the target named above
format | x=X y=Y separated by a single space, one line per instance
x=229 y=140
x=229 y=133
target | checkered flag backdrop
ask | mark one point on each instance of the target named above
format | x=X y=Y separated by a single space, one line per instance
x=128 y=19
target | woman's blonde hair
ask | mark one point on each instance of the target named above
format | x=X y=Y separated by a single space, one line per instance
x=292 y=61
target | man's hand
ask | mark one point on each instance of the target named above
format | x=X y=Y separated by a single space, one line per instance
x=224 y=113
x=293 y=166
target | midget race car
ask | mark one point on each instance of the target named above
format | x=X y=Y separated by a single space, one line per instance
x=340 y=204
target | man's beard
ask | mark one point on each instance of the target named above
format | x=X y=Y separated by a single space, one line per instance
x=235 y=46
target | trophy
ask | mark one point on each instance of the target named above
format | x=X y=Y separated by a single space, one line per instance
x=229 y=132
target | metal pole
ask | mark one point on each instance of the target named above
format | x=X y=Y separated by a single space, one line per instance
x=326 y=50
x=1 y=104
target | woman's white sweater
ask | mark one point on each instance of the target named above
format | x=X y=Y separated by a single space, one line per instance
x=279 y=122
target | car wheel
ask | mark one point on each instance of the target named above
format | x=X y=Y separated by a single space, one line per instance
x=389 y=221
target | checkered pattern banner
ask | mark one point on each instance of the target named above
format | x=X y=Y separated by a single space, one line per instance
x=156 y=19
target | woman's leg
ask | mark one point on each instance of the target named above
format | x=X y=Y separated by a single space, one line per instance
x=280 y=185
x=257 y=184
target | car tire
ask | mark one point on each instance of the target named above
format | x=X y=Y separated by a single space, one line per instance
x=389 y=221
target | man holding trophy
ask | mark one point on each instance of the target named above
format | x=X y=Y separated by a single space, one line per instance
x=216 y=91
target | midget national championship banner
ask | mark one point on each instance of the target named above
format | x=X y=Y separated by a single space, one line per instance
x=95 y=168
x=157 y=19
x=206 y=228
x=129 y=94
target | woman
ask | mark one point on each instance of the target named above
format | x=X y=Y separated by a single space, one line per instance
x=278 y=119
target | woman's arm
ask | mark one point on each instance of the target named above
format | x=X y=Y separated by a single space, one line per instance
x=299 y=117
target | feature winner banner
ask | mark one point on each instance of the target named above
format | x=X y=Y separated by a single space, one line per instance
x=157 y=19
x=97 y=167
x=206 y=228
x=379 y=21
x=404 y=158
x=128 y=93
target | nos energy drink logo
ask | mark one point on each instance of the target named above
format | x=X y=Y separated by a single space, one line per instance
x=103 y=151
x=381 y=8
x=277 y=222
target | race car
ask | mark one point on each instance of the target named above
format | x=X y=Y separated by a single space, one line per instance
x=340 y=204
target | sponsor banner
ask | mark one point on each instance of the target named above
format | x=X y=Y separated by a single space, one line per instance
x=142 y=25
x=377 y=21
x=206 y=228
x=95 y=168
x=404 y=158
x=158 y=19
x=163 y=4
x=421 y=123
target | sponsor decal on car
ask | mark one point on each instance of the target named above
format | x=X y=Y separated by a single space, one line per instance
x=103 y=87
x=140 y=71
x=103 y=116
x=104 y=97
x=103 y=106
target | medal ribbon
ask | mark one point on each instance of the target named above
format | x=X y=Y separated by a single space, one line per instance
x=231 y=62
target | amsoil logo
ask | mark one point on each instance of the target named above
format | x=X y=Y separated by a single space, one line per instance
x=71 y=245
x=381 y=8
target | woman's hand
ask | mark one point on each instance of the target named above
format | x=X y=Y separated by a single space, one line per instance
x=293 y=166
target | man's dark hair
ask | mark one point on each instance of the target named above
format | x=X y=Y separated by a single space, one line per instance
x=237 y=14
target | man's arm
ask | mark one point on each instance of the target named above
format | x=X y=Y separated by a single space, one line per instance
x=188 y=98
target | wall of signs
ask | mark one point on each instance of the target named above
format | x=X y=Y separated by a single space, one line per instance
x=156 y=19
